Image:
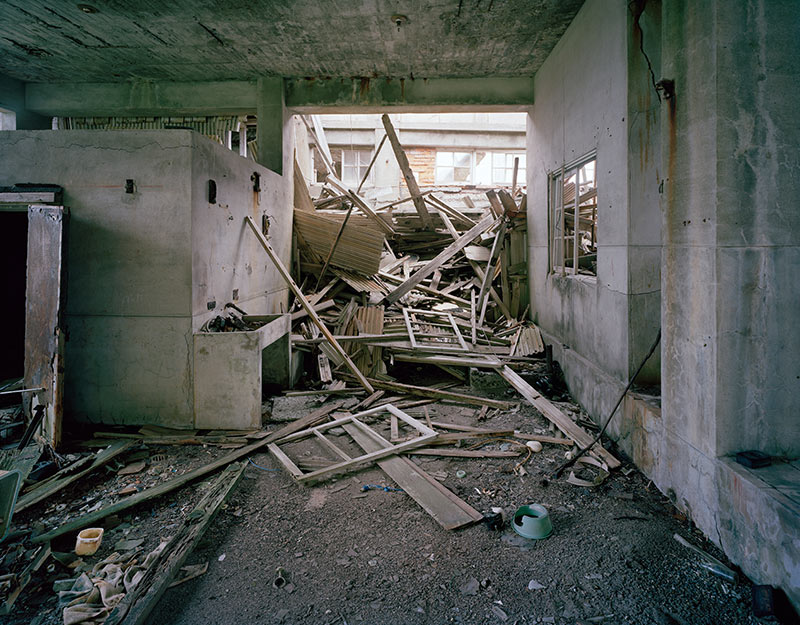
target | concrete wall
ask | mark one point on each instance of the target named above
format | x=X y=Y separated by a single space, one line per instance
x=12 y=98
x=584 y=97
x=143 y=266
x=730 y=284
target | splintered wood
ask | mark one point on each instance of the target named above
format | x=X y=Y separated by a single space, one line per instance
x=426 y=280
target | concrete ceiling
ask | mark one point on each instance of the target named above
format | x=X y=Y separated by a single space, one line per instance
x=201 y=40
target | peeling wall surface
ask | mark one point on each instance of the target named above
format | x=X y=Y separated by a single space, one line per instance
x=600 y=327
x=719 y=236
x=730 y=267
x=143 y=266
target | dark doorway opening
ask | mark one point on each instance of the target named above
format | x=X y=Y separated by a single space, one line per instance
x=13 y=260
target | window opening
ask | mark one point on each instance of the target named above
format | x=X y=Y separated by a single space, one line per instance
x=573 y=217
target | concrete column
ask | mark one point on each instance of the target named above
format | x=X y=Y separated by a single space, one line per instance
x=270 y=114
x=12 y=98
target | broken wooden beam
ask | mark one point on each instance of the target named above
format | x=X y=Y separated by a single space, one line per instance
x=425 y=391
x=65 y=477
x=558 y=418
x=139 y=602
x=408 y=174
x=463 y=453
x=176 y=482
x=449 y=510
x=304 y=303
x=451 y=250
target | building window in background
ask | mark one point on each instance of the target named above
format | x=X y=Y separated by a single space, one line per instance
x=478 y=168
x=354 y=165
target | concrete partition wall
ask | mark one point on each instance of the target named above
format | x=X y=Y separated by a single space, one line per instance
x=143 y=266
x=600 y=328
x=730 y=281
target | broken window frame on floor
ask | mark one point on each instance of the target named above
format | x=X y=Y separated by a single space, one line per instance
x=580 y=254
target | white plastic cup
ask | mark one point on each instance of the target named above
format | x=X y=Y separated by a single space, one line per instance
x=88 y=541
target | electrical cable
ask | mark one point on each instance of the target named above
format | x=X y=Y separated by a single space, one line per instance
x=572 y=460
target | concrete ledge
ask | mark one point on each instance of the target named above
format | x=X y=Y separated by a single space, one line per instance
x=368 y=95
x=759 y=522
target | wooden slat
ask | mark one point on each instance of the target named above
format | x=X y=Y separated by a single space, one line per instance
x=304 y=303
x=358 y=248
x=478 y=271
x=446 y=508
x=451 y=250
x=302 y=198
x=136 y=606
x=425 y=391
x=561 y=421
x=170 y=485
x=60 y=480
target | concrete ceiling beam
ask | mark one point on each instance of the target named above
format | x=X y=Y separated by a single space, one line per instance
x=142 y=98
x=399 y=95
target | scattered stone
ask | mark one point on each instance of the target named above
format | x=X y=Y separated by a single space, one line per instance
x=128 y=545
x=221 y=558
x=132 y=468
x=499 y=613
x=470 y=588
x=534 y=585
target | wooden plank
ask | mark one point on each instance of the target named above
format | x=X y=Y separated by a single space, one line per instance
x=488 y=276
x=63 y=478
x=287 y=462
x=453 y=361
x=425 y=391
x=446 y=508
x=478 y=271
x=553 y=414
x=451 y=250
x=136 y=606
x=551 y=440
x=408 y=174
x=45 y=297
x=361 y=204
x=425 y=289
x=324 y=365
x=24 y=578
x=427 y=436
x=304 y=303
x=462 y=453
x=334 y=245
x=302 y=198
x=170 y=485
x=452 y=212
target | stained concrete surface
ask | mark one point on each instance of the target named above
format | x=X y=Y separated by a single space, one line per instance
x=148 y=268
x=206 y=40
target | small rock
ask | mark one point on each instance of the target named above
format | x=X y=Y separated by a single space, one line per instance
x=298 y=554
x=373 y=562
x=281 y=615
x=221 y=558
x=471 y=587
x=534 y=585
x=127 y=545
x=499 y=613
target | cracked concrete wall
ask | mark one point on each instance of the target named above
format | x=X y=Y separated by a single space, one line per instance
x=142 y=267
x=730 y=261
x=600 y=327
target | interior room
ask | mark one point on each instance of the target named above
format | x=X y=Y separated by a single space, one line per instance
x=454 y=311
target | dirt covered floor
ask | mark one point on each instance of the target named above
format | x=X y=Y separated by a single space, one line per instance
x=333 y=552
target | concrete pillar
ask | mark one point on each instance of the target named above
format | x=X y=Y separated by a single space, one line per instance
x=731 y=254
x=12 y=98
x=270 y=114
